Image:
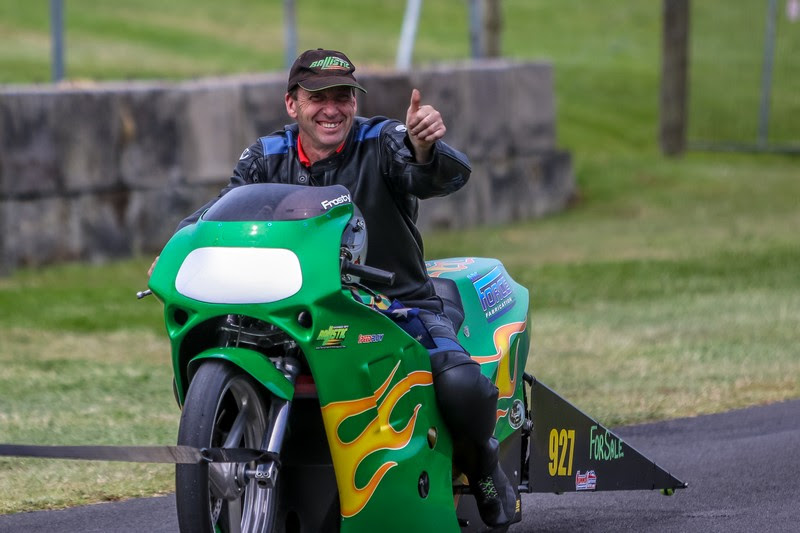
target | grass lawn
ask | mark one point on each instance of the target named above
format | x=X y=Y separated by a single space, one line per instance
x=669 y=289
x=678 y=296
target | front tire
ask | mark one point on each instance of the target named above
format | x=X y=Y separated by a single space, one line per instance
x=224 y=408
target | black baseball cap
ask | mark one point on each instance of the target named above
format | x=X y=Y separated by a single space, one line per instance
x=321 y=69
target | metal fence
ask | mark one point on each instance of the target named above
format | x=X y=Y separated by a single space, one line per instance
x=478 y=20
x=744 y=88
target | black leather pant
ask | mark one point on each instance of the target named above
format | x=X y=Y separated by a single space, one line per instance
x=466 y=398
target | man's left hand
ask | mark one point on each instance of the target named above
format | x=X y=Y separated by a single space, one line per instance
x=425 y=126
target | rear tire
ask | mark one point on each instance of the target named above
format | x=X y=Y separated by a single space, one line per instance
x=224 y=408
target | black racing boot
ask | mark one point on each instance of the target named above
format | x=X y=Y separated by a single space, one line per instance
x=496 y=498
x=498 y=503
x=468 y=403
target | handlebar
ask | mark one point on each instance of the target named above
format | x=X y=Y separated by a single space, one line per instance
x=368 y=273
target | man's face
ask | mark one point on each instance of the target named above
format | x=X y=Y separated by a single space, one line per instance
x=324 y=117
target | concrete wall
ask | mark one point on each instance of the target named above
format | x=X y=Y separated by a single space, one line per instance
x=108 y=170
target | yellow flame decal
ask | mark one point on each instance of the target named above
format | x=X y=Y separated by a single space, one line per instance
x=377 y=435
x=506 y=381
x=437 y=268
x=502 y=342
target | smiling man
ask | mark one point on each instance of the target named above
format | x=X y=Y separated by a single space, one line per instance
x=324 y=118
x=387 y=166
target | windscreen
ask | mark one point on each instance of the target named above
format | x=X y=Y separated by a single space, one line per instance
x=276 y=201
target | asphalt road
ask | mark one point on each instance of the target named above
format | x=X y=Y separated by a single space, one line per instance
x=743 y=470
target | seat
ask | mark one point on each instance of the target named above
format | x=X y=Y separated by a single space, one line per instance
x=447 y=290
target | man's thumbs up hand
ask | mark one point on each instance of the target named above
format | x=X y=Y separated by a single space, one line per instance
x=425 y=127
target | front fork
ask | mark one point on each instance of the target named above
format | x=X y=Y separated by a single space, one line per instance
x=266 y=474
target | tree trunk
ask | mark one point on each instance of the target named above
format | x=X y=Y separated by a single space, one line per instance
x=674 y=76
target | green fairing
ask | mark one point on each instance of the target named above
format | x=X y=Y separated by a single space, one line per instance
x=254 y=364
x=320 y=235
x=316 y=242
x=479 y=336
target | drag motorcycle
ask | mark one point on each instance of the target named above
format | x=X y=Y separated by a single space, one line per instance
x=282 y=342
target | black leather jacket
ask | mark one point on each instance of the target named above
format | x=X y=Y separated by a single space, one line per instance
x=377 y=167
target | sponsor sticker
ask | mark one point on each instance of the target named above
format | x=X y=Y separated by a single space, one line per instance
x=517 y=414
x=495 y=293
x=333 y=337
x=366 y=339
x=585 y=481
x=343 y=199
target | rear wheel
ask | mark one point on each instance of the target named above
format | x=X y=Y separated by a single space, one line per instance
x=224 y=408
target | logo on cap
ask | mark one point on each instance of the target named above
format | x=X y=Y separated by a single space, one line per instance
x=330 y=63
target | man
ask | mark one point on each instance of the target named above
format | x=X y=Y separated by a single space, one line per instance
x=387 y=166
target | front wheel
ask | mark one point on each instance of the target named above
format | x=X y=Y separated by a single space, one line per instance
x=224 y=408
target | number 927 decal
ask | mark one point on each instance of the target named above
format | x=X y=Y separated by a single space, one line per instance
x=561 y=449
